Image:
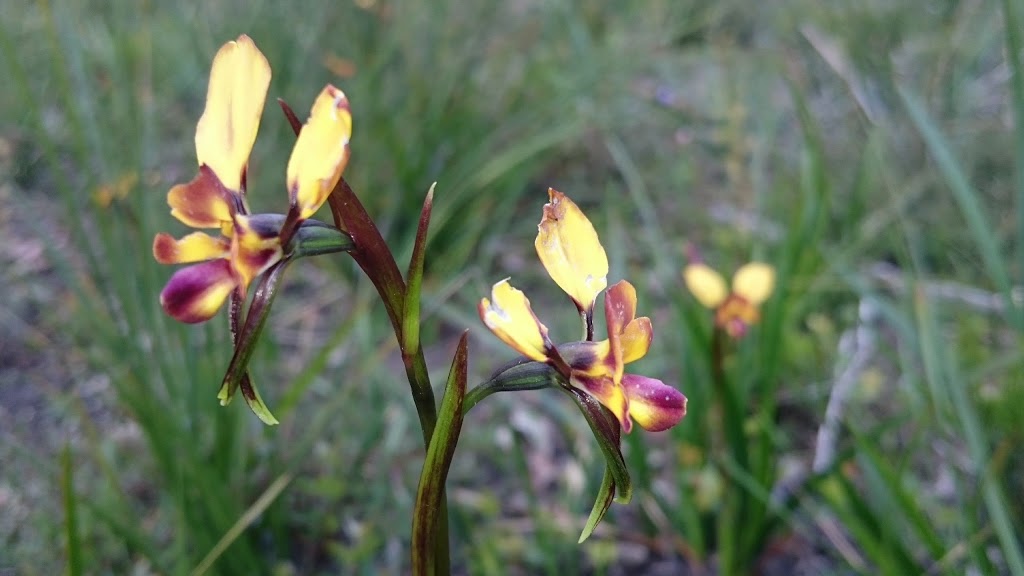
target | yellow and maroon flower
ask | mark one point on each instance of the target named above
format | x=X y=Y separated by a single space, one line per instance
x=572 y=254
x=248 y=244
x=738 y=309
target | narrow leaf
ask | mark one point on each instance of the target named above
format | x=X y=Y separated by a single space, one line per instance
x=244 y=521
x=1012 y=23
x=430 y=494
x=947 y=373
x=74 y=540
x=966 y=197
x=605 y=496
x=293 y=120
x=414 y=280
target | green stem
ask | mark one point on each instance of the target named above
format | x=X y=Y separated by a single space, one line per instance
x=519 y=374
x=729 y=439
x=372 y=254
x=374 y=257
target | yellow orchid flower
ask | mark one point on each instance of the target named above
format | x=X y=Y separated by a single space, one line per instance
x=571 y=252
x=738 y=309
x=249 y=244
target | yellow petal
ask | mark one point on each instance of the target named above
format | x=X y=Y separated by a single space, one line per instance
x=321 y=151
x=706 y=285
x=239 y=80
x=754 y=282
x=636 y=339
x=570 y=250
x=509 y=316
x=195 y=247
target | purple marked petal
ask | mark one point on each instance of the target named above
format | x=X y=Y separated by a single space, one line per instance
x=653 y=404
x=195 y=293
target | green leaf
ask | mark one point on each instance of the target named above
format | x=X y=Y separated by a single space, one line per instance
x=414 y=280
x=943 y=367
x=1012 y=23
x=428 y=514
x=67 y=482
x=244 y=521
x=966 y=197
x=605 y=495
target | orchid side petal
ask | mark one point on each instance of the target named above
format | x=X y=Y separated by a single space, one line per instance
x=509 y=316
x=619 y=306
x=195 y=247
x=619 y=311
x=736 y=315
x=635 y=339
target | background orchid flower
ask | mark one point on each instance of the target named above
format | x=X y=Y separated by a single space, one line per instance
x=248 y=245
x=737 y=309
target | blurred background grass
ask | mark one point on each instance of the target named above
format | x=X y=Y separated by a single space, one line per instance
x=871 y=151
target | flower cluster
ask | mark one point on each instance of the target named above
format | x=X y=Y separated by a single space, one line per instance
x=738 y=309
x=571 y=252
x=248 y=244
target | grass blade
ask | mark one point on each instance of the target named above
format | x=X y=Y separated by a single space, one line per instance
x=1012 y=23
x=965 y=196
x=243 y=522
x=944 y=368
x=76 y=565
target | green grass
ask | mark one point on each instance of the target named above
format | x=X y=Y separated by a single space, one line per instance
x=824 y=139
